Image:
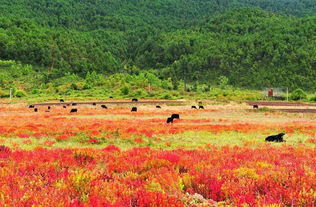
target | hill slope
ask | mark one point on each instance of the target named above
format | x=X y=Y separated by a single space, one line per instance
x=252 y=47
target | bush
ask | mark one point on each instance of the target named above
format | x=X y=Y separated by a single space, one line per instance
x=20 y=94
x=167 y=84
x=4 y=94
x=313 y=98
x=125 y=90
x=166 y=96
x=223 y=82
x=205 y=88
x=86 y=86
x=74 y=86
x=140 y=92
x=35 y=91
x=298 y=94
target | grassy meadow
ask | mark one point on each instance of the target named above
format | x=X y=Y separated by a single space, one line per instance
x=215 y=156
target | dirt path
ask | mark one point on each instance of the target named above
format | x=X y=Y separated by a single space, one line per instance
x=279 y=103
x=284 y=106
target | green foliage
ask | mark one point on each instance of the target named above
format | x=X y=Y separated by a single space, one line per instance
x=20 y=94
x=74 y=86
x=158 y=44
x=125 y=90
x=298 y=94
x=313 y=98
x=223 y=82
x=4 y=94
x=166 y=96
x=87 y=86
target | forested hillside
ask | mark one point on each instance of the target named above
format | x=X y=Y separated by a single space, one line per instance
x=254 y=43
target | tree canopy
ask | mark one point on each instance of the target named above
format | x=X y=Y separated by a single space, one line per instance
x=254 y=43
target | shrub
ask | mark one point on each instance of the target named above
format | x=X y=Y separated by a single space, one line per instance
x=167 y=84
x=298 y=94
x=205 y=88
x=4 y=94
x=35 y=91
x=20 y=94
x=313 y=98
x=125 y=90
x=74 y=86
x=166 y=96
x=87 y=86
x=139 y=93
x=223 y=82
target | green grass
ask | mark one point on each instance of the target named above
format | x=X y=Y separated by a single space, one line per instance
x=187 y=140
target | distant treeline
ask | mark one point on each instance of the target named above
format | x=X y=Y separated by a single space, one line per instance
x=196 y=40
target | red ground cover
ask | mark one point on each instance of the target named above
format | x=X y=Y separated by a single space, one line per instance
x=148 y=177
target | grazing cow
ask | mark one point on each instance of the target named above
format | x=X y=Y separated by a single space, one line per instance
x=158 y=107
x=31 y=106
x=193 y=107
x=201 y=107
x=35 y=110
x=169 y=120
x=255 y=106
x=200 y=103
x=64 y=107
x=134 y=109
x=94 y=104
x=61 y=100
x=73 y=110
x=175 y=116
x=74 y=104
x=104 y=106
x=275 y=138
x=135 y=99
x=111 y=97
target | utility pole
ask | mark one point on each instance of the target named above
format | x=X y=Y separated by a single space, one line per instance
x=10 y=93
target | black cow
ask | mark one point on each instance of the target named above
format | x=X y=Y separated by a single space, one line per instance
x=31 y=106
x=104 y=106
x=193 y=107
x=255 y=106
x=74 y=104
x=169 y=120
x=175 y=116
x=62 y=100
x=94 y=104
x=135 y=99
x=134 y=109
x=35 y=110
x=73 y=110
x=275 y=138
x=158 y=107
x=48 y=107
x=111 y=97
x=200 y=103
x=201 y=107
x=64 y=107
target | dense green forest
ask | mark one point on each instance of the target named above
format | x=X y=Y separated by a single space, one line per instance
x=250 y=43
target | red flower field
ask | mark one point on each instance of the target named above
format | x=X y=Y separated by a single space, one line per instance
x=212 y=157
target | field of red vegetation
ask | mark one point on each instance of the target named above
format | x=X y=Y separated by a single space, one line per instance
x=113 y=157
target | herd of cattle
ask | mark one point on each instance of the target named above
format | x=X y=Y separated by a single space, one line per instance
x=272 y=138
x=134 y=109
